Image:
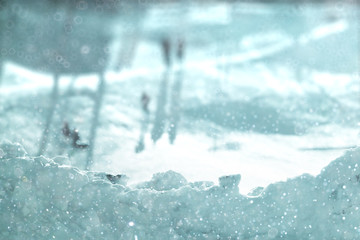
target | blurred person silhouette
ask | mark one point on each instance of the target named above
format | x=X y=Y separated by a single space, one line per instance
x=73 y=135
x=180 y=49
x=75 y=139
x=165 y=43
x=66 y=130
x=145 y=99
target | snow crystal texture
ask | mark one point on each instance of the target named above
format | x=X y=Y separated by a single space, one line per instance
x=41 y=199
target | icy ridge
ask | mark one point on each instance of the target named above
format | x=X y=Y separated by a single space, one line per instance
x=40 y=199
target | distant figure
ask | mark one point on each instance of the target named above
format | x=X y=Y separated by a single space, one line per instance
x=75 y=138
x=180 y=50
x=73 y=135
x=166 y=51
x=66 y=130
x=145 y=99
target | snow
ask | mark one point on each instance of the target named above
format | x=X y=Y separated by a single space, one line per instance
x=41 y=199
x=235 y=142
x=231 y=97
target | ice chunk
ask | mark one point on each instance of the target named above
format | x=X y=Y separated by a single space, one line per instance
x=256 y=192
x=11 y=150
x=114 y=179
x=230 y=182
x=44 y=200
x=166 y=181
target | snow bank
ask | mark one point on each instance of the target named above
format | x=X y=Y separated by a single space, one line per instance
x=40 y=199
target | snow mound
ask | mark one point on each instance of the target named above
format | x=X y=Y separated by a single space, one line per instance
x=40 y=199
x=165 y=181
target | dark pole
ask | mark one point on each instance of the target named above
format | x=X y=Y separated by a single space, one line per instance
x=50 y=115
x=95 y=120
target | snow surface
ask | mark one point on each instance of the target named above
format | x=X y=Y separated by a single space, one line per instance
x=40 y=199
x=268 y=91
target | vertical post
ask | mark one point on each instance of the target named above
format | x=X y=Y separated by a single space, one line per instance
x=50 y=115
x=95 y=120
x=1 y=70
x=175 y=107
x=160 y=114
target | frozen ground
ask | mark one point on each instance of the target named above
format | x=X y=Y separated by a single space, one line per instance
x=270 y=97
x=40 y=199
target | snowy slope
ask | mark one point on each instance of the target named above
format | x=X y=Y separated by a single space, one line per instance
x=267 y=85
